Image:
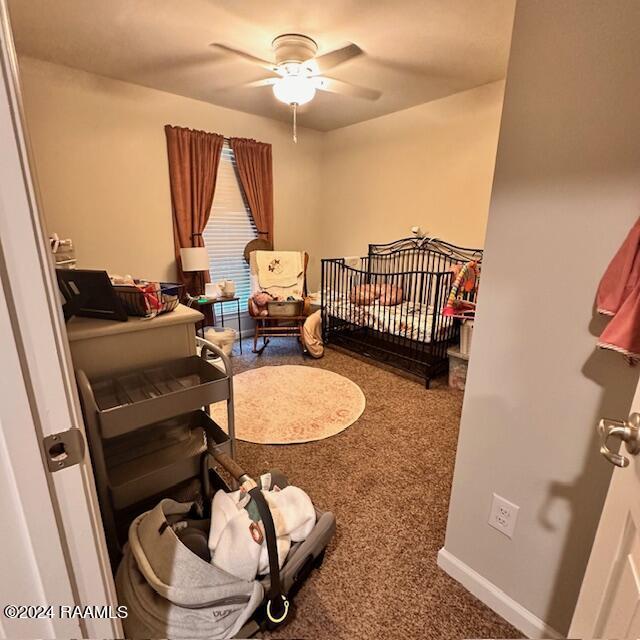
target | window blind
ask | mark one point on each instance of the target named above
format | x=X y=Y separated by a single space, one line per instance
x=229 y=229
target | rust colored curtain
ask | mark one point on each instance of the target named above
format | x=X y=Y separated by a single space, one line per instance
x=194 y=157
x=255 y=169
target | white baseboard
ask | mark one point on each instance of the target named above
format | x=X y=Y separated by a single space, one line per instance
x=506 y=607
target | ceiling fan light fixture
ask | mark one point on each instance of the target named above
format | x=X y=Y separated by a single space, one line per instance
x=294 y=90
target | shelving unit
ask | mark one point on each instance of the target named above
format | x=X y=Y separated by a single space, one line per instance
x=149 y=431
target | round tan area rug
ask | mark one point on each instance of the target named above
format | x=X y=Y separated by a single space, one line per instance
x=289 y=404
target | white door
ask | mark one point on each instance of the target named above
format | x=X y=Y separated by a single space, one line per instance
x=52 y=549
x=609 y=601
x=34 y=570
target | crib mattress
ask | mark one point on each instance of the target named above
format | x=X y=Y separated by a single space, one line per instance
x=409 y=320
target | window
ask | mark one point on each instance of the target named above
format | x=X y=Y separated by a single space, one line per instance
x=229 y=229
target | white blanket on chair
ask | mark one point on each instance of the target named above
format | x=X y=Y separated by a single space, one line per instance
x=278 y=268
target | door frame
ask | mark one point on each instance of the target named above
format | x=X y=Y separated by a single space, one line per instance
x=35 y=565
x=40 y=343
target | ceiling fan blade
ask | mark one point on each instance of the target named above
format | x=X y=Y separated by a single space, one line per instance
x=265 y=64
x=345 y=88
x=265 y=82
x=327 y=61
x=261 y=82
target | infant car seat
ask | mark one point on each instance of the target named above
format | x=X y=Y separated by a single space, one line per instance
x=171 y=589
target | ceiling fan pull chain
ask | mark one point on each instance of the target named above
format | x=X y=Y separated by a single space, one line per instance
x=294 y=106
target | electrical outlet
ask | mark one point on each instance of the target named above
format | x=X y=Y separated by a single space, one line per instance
x=503 y=515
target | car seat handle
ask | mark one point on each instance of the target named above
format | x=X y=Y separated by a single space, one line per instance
x=277 y=603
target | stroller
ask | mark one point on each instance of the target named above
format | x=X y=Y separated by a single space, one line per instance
x=164 y=576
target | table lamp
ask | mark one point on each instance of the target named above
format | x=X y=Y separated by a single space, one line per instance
x=195 y=259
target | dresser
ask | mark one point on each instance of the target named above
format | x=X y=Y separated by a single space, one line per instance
x=99 y=347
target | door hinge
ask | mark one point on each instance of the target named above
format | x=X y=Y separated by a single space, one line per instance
x=64 y=449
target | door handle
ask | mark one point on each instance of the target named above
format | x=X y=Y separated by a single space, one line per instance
x=627 y=431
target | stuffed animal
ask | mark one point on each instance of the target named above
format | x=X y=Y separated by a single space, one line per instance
x=258 y=303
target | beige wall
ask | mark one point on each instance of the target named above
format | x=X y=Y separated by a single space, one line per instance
x=566 y=191
x=430 y=165
x=100 y=156
x=101 y=164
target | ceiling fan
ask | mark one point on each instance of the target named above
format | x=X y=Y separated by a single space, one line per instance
x=299 y=72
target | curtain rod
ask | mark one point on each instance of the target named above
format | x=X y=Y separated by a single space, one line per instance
x=225 y=138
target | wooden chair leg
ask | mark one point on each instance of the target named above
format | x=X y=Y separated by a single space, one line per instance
x=261 y=330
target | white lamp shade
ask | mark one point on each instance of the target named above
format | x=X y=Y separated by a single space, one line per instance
x=194 y=259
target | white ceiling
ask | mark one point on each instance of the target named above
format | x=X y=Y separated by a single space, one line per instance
x=415 y=50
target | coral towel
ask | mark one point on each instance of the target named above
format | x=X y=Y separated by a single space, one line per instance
x=619 y=296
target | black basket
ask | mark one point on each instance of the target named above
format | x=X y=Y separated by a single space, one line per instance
x=146 y=301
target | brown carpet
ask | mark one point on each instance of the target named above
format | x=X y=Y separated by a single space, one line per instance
x=387 y=478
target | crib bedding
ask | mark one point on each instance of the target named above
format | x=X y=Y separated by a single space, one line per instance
x=408 y=319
